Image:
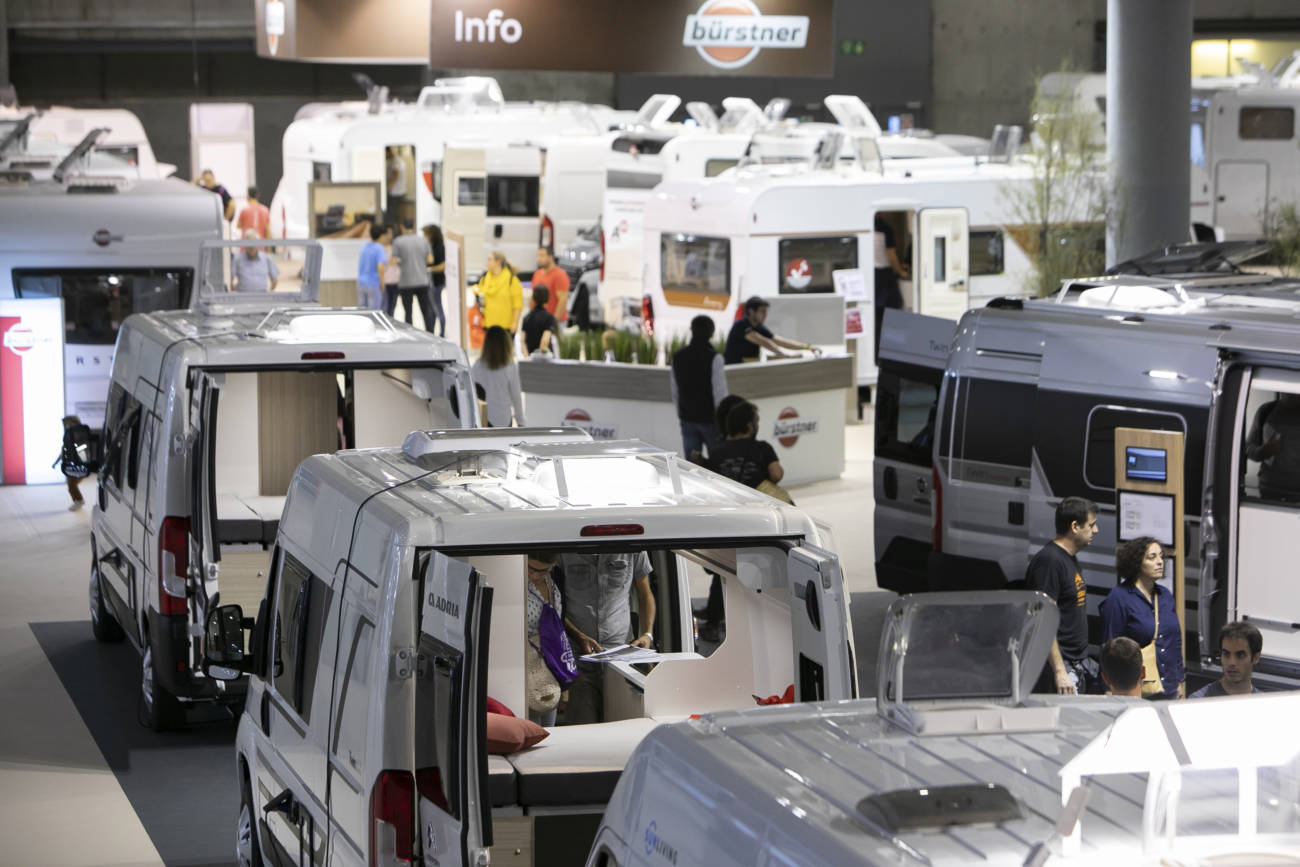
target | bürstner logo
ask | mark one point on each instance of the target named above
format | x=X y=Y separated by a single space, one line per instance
x=729 y=33
x=19 y=339
x=581 y=419
x=789 y=426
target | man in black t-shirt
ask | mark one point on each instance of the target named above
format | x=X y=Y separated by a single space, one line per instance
x=741 y=456
x=539 y=325
x=748 y=334
x=1055 y=571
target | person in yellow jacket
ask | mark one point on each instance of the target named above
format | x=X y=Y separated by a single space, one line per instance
x=502 y=294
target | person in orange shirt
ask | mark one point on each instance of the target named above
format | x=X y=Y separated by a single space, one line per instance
x=556 y=281
x=255 y=216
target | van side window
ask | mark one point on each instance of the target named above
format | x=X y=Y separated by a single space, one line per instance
x=807 y=263
x=439 y=742
x=986 y=252
x=905 y=414
x=995 y=422
x=1270 y=454
x=694 y=264
x=1099 y=450
x=510 y=196
x=136 y=437
x=122 y=437
x=1266 y=122
x=301 y=603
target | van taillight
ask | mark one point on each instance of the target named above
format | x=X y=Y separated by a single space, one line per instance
x=173 y=565
x=612 y=530
x=326 y=355
x=936 y=531
x=546 y=235
x=392 y=819
x=648 y=314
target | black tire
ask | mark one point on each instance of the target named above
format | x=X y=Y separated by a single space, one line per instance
x=248 y=846
x=159 y=709
x=102 y=621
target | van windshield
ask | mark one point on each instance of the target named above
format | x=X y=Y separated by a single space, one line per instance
x=95 y=301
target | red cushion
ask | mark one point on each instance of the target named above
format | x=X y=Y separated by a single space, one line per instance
x=510 y=734
x=494 y=706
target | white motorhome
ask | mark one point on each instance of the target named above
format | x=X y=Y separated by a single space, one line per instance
x=124 y=135
x=396 y=606
x=209 y=411
x=954 y=763
x=983 y=427
x=783 y=229
x=107 y=247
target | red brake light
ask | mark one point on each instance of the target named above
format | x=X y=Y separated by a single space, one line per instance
x=612 y=530
x=173 y=565
x=322 y=356
x=392 y=819
x=546 y=235
x=936 y=531
x=648 y=314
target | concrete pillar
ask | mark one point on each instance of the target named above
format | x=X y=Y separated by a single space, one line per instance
x=1148 y=98
x=4 y=43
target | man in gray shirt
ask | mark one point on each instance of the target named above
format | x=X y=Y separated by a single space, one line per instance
x=254 y=271
x=413 y=258
x=598 y=615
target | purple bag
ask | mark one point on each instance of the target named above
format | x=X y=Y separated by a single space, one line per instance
x=555 y=649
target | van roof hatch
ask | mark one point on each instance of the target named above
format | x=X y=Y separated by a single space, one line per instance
x=977 y=653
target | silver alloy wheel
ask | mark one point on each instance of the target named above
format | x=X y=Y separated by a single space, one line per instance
x=244 y=835
x=146 y=681
x=94 y=595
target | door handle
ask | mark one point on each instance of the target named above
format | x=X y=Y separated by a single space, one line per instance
x=497 y=230
x=284 y=803
x=813 y=606
x=1222 y=198
x=889 y=483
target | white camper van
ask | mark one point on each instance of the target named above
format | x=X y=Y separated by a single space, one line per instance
x=124 y=136
x=106 y=247
x=396 y=606
x=209 y=411
x=954 y=764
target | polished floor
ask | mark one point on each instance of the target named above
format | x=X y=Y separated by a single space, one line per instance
x=81 y=783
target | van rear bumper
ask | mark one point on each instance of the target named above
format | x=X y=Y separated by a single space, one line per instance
x=169 y=636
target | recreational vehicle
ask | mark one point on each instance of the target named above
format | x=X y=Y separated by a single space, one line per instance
x=124 y=135
x=395 y=608
x=983 y=427
x=106 y=247
x=209 y=411
x=954 y=763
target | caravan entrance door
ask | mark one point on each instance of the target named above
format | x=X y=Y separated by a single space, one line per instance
x=942 y=262
x=464 y=203
x=454 y=820
x=1241 y=198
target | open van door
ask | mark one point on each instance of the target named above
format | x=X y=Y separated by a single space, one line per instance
x=453 y=819
x=464 y=202
x=818 y=626
x=942 y=267
x=913 y=357
x=205 y=549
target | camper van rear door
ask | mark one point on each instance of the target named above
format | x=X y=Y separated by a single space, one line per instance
x=453 y=821
x=205 y=389
x=942 y=271
x=818 y=631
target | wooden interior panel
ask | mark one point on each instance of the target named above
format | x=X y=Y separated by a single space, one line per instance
x=297 y=417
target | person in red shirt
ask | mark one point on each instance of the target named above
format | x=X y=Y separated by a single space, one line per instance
x=556 y=281
x=255 y=216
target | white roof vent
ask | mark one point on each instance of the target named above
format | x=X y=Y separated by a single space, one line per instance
x=427 y=442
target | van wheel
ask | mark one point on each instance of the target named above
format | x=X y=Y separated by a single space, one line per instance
x=159 y=709
x=102 y=623
x=248 y=849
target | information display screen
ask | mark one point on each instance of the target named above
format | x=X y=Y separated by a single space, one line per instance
x=1145 y=465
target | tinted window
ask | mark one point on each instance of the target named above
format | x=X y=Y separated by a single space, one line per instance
x=1270 y=468
x=986 y=254
x=1266 y=122
x=438 y=689
x=905 y=413
x=471 y=192
x=806 y=263
x=696 y=264
x=1099 y=452
x=301 y=605
x=96 y=301
x=636 y=145
x=130 y=154
x=321 y=172
x=511 y=196
x=995 y=422
x=715 y=167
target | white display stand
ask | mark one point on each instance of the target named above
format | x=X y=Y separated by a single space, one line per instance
x=31 y=389
x=800 y=405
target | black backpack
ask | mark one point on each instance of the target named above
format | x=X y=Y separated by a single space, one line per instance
x=79 y=457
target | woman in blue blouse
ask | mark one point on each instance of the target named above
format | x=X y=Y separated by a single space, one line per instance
x=1130 y=610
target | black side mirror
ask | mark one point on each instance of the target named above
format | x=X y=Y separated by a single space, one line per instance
x=224 y=657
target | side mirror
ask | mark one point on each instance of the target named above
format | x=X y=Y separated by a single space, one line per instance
x=224 y=657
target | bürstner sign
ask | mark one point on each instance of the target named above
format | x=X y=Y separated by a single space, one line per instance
x=680 y=37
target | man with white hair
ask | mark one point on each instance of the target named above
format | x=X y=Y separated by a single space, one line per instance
x=252 y=270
